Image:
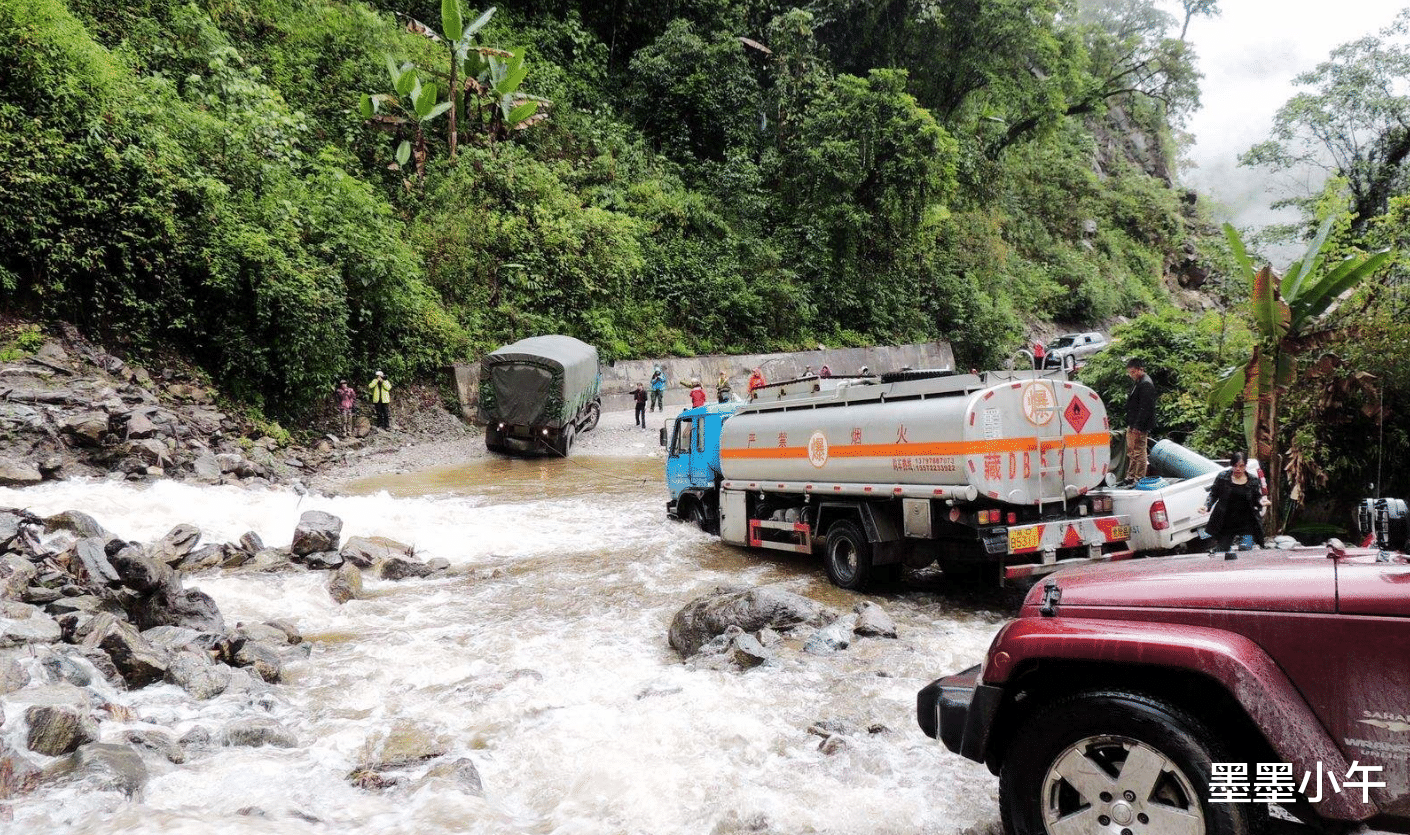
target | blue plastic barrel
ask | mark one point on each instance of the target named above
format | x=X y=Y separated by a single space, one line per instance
x=1176 y=461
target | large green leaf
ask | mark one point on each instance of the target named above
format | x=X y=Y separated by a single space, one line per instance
x=1287 y=370
x=1227 y=387
x=437 y=110
x=425 y=100
x=407 y=80
x=1307 y=266
x=1269 y=311
x=393 y=73
x=479 y=22
x=367 y=106
x=1251 y=426
x=511 y=82
x=452 y=24
x=1317 y=298
x=517 y=59
x=1236 y=246
x=403 y=152
x=520 y=113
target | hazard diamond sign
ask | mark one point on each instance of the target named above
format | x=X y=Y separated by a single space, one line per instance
x=1077 y=414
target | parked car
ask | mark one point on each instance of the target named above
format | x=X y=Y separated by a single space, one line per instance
x=1186 y=695
x=1078 y=346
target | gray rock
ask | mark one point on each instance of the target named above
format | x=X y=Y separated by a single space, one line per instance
x=749 y=609
x=93 y=557
x=460 y=774
x=177 y=544
x=139 y=426
x=205 y=467
x=270 y=559
x=206 y=556
x=316 y=531
x=834 y=637
x=173 y=639
x=104 y=767
x=292 y=635
x=747 y=652
x=58 y=729
x=171 y=606
x=13 y=676
x=21 y=623
x=10 y=521
x=17 y=774
x=162 y=743
x=141 y=572
x=87 y=429
x=873 y=622
x=251 y=542
x=100 y=661
x=138 y=661
x=263 y=632
x=252 y=733
x=260 y=657
x=438 y=564
x=198 y=738
x=404 y=743
x=60 y=668
x=19 y=474
x=401 y=568
x=79 y=523
x=365 y=552
x=16 y=575
x=84 y=603
x=39 y=595
x=323 y=560
x=198 y=675
x=346 y=583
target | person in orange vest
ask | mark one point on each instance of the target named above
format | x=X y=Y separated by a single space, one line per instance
x=756 y=380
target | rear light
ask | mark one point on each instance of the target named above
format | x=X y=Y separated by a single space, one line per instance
x=955 y=514
x=1160 y=520
x=1082 y=509
x=988 y=517
x=1013 y=518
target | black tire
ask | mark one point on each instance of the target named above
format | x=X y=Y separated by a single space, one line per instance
x=694 y=514
x=1138 y=762
x=848 y=556
x=565 y=441
x=594 y=415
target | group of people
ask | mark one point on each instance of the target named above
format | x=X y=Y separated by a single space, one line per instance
x=379 y=391
x=649 y=396
x=1236 y=498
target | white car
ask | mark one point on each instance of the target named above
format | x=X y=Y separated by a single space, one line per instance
x=1079 y=346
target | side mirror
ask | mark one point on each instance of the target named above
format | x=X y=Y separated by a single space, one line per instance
x=663 y=436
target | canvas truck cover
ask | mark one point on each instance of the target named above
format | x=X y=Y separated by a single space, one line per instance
x=539 y=381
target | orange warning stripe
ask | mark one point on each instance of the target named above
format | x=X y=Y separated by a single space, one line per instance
x=936 y=448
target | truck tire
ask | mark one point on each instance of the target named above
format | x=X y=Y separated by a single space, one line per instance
x=847 y=557
x=594 y=414
x=1112 y=761
x=565 y=441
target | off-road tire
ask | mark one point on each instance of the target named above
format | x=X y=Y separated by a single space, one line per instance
x=594 y=415
x=1093 y=754
x=847 y=557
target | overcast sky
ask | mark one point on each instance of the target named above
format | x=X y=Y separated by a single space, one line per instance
x=1249 y=55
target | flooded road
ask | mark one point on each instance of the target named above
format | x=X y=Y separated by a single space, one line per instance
x=542 y=658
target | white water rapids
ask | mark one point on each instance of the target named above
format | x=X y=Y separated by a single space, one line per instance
x=543 y=658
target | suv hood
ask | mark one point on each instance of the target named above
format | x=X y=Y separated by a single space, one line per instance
x=1299 y=580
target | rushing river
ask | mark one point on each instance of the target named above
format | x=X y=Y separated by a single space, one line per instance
x=541 y=657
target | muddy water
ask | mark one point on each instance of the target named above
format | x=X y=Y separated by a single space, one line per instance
x=542 y=658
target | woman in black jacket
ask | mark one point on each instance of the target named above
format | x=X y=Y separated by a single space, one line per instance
x=1235 y=504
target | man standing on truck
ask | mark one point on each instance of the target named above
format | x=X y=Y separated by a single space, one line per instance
x=1140 y=418
x=658 y=388
x=756 y=380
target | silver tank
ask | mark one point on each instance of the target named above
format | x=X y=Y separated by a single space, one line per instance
x=1022 y=439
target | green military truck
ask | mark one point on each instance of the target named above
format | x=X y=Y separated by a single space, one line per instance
x=537 y=394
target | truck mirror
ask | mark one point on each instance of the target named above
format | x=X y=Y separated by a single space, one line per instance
x=663 y=436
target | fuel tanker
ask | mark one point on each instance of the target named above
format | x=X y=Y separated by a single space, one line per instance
x=989 y=474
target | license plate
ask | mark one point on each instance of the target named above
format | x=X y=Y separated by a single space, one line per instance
x=1024 y=539
x=1119 y=532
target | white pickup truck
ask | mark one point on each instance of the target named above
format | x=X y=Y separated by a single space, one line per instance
x=1167 y=517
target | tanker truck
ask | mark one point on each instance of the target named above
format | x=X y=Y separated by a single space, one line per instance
x=991 y=475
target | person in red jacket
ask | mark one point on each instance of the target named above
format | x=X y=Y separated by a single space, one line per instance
x=756 y=380
x=697 y=393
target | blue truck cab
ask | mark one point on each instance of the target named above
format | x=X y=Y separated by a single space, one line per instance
x=693 y=463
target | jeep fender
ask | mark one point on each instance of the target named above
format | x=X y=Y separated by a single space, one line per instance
x=1239 y=665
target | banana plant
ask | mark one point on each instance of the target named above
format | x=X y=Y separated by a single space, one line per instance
x=1288 y=313
x=414 y=103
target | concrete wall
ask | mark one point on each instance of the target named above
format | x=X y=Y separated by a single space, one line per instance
x=620 y=378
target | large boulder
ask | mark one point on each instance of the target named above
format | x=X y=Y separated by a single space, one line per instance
x=197 y=674
x=140 y=572
x=834 y=637
x=254 y=732
x=365 y=551
x=21 y=623
x=873 y=622
x=402 y=568
x=103 y=767
x=173 y=548
x=138 y=661
x=17 y=774
x=19 y=474
x=404 y=743
x=16 y=574
x=260 y=657
x=58 y=729
x=205 y=467
x=346 y=583
x=749 y=609
x=316 y=531
x=79 y=523
x=170 y=605
x=87 y=429
x=92 y=556
x=12 y=676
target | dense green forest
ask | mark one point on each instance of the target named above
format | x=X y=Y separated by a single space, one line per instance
x=290 y=191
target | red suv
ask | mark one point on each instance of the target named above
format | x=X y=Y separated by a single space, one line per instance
x=1187 y=696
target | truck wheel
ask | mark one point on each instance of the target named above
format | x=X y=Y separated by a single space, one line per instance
x=1112 y=761
x=594 y=414
x=565 y=441
x=848 y=558
x=694 y=514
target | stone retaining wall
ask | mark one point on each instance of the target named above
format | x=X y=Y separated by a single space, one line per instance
x=619 y=378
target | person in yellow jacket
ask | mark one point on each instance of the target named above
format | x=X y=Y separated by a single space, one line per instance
x=381 y=389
